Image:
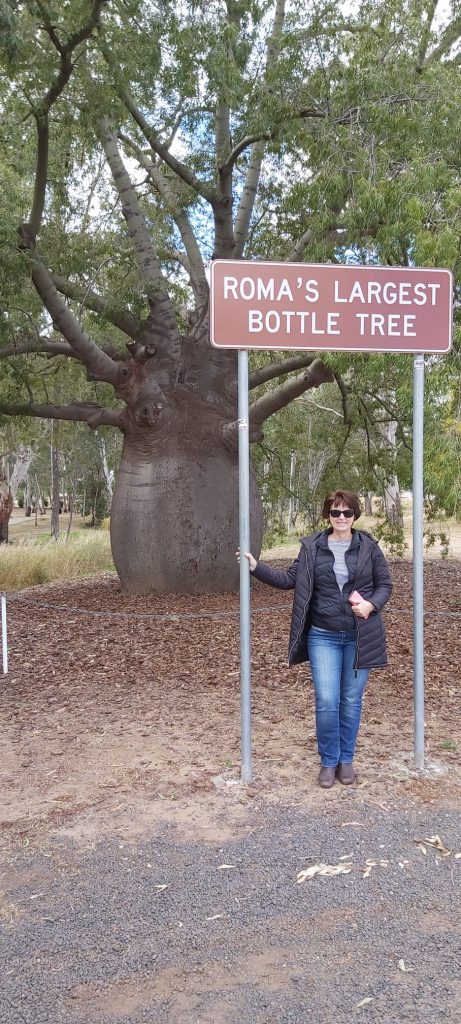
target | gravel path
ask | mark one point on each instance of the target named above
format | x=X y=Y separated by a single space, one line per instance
x=163 y=931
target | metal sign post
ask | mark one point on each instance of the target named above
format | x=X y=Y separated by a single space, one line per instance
x=244 y=545
x=330 y=308
x=418 y=557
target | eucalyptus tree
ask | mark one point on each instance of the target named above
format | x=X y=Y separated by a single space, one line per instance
x=143 y=138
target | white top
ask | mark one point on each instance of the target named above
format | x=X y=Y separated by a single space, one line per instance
x=339 y=548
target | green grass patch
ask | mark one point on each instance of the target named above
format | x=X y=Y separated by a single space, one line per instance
x=27 y=563
x=448 y=745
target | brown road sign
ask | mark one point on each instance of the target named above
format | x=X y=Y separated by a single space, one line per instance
x=330 y=308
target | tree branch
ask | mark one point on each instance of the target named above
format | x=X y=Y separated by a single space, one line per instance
x=425 y=35
x=41 y=109
x=126 y=323
x=265 y=373
x=38 y=345
x=224 y=240
x=50 y=348
x=224 y=229
x=241 y=146
x=182 y=171
x=451 y=35
x=41 y=172
x=344 y=398
x=82 y=412
x=267 y=136
x=314 y=376
x=392 y=413
x=331 y=228
x=165 y=330
x=250 y=188
x=173 y=206
x=64 y=321
x=247 y=201
x=315 y=405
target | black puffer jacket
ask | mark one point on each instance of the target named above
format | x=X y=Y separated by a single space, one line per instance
x=370 y=576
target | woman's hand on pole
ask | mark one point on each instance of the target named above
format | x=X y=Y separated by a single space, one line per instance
x=252 y=560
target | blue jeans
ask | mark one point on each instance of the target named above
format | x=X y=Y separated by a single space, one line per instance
x=338 y=693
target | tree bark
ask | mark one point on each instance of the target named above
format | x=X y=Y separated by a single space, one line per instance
x=6 y=505
x=23 y=460
x=105 y=466
x=55 y=498
x=174 y=520
x=391 y=490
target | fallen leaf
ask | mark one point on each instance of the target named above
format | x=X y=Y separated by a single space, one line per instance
x=402 y=966
x=323 y=869
x=437 y=843
x=308 y=873
x=364 y=1002
x=160 y=888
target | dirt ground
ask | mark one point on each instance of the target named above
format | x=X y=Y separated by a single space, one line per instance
x=120 y=713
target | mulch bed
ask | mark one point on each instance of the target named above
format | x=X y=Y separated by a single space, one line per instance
x=107 y=700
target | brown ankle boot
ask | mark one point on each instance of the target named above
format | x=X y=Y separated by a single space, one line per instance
x=346 y=774
x=327 y=777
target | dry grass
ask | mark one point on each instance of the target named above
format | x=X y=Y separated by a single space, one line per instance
x=28 y=562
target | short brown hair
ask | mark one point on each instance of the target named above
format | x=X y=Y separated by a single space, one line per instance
x=347 y=497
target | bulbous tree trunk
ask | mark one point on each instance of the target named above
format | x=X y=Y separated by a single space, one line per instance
x=174 y=517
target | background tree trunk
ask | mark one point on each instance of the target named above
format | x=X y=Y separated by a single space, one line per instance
x=6 y=505
x=292 y=503
x=23 y=460
x=55 y=497
x=391 y=488
x=108 y=476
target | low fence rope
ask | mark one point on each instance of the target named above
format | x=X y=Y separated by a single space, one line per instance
x=173 y=616
x=165 y=616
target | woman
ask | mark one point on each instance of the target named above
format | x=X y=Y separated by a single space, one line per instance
x=341 y=582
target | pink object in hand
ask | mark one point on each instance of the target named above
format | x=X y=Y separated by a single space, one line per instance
x=355 y=597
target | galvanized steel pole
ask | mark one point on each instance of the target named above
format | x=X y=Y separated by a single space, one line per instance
x=244 y=545
x=418 y=559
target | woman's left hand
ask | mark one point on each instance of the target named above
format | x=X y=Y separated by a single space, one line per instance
x=363 y=609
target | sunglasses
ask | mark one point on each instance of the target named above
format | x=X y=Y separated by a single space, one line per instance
x=337 y=512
